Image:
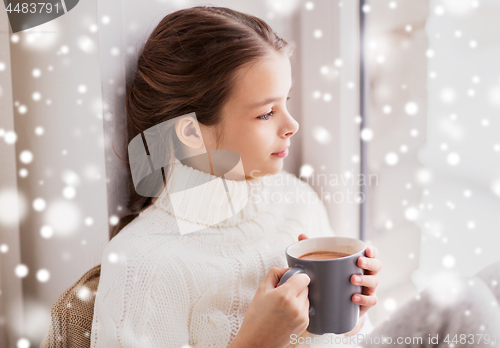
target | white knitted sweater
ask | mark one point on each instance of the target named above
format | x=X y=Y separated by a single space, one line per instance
x=161 y=288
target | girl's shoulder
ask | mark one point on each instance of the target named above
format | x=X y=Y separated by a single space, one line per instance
x=144 y=237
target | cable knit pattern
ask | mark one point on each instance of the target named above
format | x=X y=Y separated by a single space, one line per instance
x=159 y=288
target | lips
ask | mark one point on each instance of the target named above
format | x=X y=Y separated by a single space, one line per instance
x=281 y=154
x=274 y=153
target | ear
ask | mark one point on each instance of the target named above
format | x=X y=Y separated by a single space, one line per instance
x=189 y=133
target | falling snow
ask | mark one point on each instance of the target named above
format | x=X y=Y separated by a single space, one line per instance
x=391 y=158
x=42 y=275
x=366 y=134
x=21 y=271
x=447 y=196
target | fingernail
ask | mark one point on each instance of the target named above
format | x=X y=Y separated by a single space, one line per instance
x=356 y=298
x=363 y=262
x=357 y=279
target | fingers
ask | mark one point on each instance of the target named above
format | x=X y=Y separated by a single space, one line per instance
x=273 y=277
x=370 y=281
x=364 y=300
x=372 y=265
x=296 y=283
x=302 y=296
x=371 y=251
x=305 y=300
x=368 y=291
x=302 y=237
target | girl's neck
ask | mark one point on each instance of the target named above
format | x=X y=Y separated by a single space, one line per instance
x=195 y=198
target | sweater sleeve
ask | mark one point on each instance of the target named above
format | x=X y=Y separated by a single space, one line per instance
x=142 y=304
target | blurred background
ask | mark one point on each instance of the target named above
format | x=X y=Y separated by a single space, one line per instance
x=404 y=124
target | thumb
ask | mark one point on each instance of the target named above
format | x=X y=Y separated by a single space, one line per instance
x=273 y=277
x=303 y=236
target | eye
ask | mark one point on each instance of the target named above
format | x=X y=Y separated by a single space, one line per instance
x=266 y=116
x=269 y=114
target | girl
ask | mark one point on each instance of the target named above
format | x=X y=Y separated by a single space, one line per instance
x=217 y=285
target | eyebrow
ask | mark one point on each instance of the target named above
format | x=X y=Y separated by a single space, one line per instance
x=267 y=101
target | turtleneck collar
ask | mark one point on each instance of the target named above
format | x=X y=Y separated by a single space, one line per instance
x=199 y=200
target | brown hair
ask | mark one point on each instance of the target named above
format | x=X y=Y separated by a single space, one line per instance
x=188 y=64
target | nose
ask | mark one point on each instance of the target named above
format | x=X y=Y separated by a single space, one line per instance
x=292 y=129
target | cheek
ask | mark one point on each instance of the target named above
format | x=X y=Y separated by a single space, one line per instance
x=255 y=144
x=251 y=140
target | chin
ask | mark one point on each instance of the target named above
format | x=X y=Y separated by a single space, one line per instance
x=275 y=169
x=269 y=170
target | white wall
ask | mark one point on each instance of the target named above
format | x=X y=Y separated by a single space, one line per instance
x=11 y=304
x=72 y=142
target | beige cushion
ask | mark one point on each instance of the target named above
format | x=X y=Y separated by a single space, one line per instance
x=72 y=314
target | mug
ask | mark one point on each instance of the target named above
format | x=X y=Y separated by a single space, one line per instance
x=331 y=309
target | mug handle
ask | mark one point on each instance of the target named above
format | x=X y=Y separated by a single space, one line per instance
x=291 y=272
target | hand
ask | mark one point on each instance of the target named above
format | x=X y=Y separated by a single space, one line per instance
x=369 y=281
x=276 y=312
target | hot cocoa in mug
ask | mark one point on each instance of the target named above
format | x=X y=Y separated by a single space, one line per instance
x=323 y=255
x=330 y=263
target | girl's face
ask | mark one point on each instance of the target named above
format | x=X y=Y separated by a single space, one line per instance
x=256 y=122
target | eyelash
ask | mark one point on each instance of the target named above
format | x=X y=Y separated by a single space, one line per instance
x=269 y=114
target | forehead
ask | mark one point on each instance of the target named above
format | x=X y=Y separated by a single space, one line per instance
x=267 y=77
